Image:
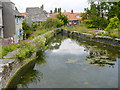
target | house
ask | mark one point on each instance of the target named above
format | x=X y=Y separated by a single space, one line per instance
x=12 y=22
x=73 y=18
x=35 y=14
x=24 y=16
x=1 y=22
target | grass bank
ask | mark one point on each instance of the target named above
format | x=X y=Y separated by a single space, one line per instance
x=82 y=28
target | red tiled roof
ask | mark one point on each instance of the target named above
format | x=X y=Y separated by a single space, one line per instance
x=23 y=14
x=71 y=16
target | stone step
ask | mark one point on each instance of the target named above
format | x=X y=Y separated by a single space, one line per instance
x=5 y=61
x=11 y=54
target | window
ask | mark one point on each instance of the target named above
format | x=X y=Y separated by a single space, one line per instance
x=70 y=22
x=17 y=19
x=75 y=23
x=78 y=16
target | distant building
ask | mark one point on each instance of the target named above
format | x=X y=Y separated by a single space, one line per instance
x=12 y=21
x=73 y=18
x=23 y=16
x=35 y=14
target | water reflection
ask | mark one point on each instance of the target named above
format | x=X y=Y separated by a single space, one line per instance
x=98 y=54
x=55 y=42
x=30 y=76
x=100 y=57
x=33 y=75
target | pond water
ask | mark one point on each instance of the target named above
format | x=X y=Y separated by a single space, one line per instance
x=71 y=63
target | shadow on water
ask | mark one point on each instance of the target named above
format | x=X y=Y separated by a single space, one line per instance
x=29 y=77
x=99 y=55
x=33 y=75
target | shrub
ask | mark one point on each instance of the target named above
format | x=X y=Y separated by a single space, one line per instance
x=52 y=23
x=10 y=48
x=115 y=34
x=40 y=42
x=49 y=34
x=34 y=25
x=25 y=52
x=62 y=18
x=27 y=30
x=114 y=23
x=37 y=33
x=25 y=26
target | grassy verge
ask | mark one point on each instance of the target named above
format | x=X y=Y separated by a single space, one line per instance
x=39 y=32
x=26 y=51
x=6 y=49
x=81 y=28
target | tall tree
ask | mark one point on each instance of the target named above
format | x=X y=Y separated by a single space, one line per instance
x=59 y=10
x=63 y=18
x=55 y=11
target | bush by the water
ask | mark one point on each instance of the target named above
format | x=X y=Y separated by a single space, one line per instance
x=52 y=22
x=25 y=51
x=9 y=48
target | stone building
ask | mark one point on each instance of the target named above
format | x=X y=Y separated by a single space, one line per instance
x=35 y=14
x=12 y=21
x=1 y=21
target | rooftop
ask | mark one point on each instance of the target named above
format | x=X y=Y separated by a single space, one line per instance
x=70 y=15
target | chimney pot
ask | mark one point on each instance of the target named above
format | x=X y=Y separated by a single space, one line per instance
x=50 y=11
x=71 y=11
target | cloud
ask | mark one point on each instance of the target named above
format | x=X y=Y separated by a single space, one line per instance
x=76 y=5
x=69 y=47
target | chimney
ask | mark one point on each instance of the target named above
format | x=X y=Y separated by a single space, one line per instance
x=42 y=6
x=72 y=11
x=50 y=11
x=64 y=11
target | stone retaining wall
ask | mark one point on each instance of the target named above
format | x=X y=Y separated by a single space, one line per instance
x=93 y=38
x=14 y=68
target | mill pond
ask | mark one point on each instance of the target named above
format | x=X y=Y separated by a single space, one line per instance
x=73 y=63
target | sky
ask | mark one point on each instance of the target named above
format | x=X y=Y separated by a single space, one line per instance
x=68 y=5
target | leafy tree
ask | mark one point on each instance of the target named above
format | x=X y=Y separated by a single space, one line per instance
x=62 y=18
x=114 y=10
x=25 y=26
x=59 y=10
x=52 y=22
x=114 y=23
x=55 y=11
x=100 y=13
x=34 y=25
x=27 y=30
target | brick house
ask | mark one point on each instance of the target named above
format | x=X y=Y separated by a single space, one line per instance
x=73 y=18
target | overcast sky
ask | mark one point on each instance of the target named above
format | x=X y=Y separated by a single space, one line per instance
x=76 y=5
